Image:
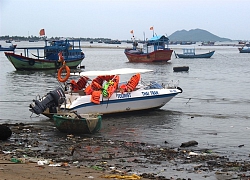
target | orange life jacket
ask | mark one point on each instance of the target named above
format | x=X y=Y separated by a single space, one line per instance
x=82 y=82
x=133 y=82
x=61 y=58
x=113 y=86
x=74 y=85
x=123 y=88
x=88 y=90
x=95 y=97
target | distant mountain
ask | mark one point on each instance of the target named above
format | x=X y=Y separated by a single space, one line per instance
x=195 y=35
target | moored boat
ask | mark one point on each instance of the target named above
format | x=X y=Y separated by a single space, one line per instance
x=180 y=68
x=8 y=41
x=105 y=94
x=113 y=42
x=44 y=58
x=245 y=49
x=208 y=43
x=75 y=123
x=154 y=50
x=190 y=53
x=10 y=48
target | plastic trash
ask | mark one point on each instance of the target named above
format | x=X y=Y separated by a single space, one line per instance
x=42 y=162
x=56 y=165
x=15 y=160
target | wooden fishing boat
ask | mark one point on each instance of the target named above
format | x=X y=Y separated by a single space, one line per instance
x=154 y=50
x=44 y=58
x=10 y=48
x=77 y=123
x=190 y=53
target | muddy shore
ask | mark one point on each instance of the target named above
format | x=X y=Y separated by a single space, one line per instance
x=84 y=156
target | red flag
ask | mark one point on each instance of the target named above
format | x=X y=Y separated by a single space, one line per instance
x=42 y=32
x=132 y=31
x=151 y=28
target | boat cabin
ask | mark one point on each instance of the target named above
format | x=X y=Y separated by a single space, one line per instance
x=71 y=49
x=156 y=43
x=189 y=51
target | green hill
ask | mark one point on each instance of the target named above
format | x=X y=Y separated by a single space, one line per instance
x=195 y=35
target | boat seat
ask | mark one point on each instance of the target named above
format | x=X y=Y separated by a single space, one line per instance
x=80 y=92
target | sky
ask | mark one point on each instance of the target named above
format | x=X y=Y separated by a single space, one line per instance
x=115 y=19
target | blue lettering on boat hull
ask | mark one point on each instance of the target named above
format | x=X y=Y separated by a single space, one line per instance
x=150 y=93
x=123 y=96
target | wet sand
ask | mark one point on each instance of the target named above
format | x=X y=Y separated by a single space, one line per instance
x=40 y=152
x=20 y=171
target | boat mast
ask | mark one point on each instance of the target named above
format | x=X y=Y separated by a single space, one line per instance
x=144 y=37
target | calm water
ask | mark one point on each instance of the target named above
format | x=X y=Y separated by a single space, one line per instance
x=213 y=109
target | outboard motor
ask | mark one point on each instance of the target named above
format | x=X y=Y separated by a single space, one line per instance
x=51 y=101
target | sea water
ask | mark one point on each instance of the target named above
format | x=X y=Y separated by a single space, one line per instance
x=212 y=110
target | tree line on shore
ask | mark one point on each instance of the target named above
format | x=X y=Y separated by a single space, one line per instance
x=38 y=38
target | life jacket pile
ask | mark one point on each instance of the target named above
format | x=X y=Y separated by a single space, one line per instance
x=132 y=83
x=96 y=89
x=80 y=84
x=110 y=87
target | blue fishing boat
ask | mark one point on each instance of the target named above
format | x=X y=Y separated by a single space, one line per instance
x=44 y=58
x=190 y=53
x=10 y=48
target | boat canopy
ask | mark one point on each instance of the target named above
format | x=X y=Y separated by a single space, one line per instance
x=112 y=72
x=159 y=38
x=158 y=42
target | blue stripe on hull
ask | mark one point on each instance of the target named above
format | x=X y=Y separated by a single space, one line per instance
x=117 y=101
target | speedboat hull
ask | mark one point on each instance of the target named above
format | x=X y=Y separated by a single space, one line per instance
x=118 y=102
x=124 y=97
x=144 y=98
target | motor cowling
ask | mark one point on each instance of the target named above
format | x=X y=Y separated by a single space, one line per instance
x=51 y=100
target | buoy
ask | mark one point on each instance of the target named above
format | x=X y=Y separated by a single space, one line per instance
x=180 y=68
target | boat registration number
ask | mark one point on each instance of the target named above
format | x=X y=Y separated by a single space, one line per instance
x=150 y=93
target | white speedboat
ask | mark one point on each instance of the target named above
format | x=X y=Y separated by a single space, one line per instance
x=122 y=97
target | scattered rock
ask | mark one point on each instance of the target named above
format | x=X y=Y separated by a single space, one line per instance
x=5 y=132
x=41 y=143
x=189 y=143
